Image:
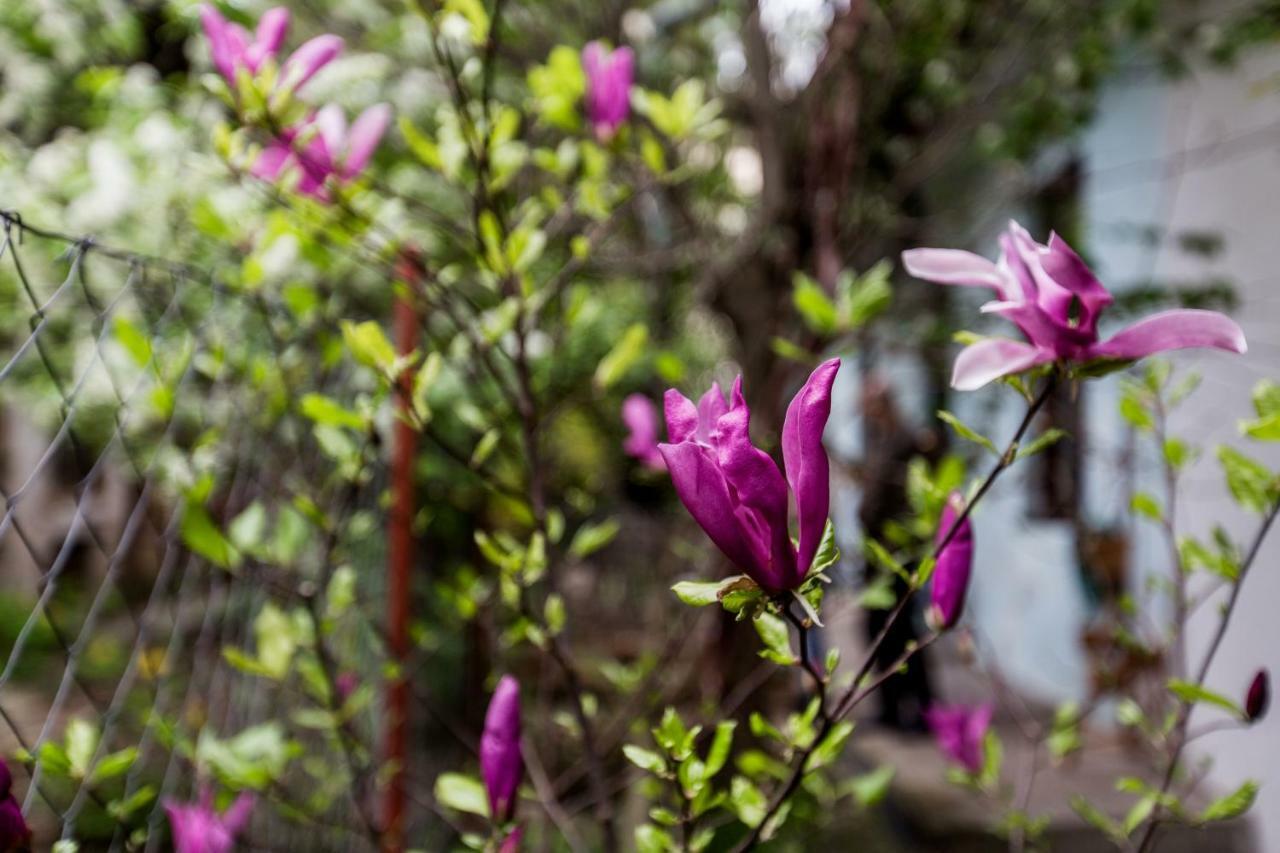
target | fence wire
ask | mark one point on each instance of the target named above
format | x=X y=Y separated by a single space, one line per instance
x=141 y=408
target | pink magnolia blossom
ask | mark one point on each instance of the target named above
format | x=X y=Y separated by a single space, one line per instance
x=735 y=491
x=198 y=828
x=14 y=833
x=232 y=47
x=1049 y=293
x=323 y=148
x=955 y=564
x=641 y=419
x=501 y=764
x=608 y=97
x=960 y=732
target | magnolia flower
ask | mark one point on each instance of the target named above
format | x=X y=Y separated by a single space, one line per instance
x=955 y=563
x=323 y=148
x=735 y=491
x=198 y=828
x=511 y=843
x=14 y=833
x=1055 y=300
x=501 y=764
x=608 y=97
x=232 y=47
x=1258 y=698
x=960 y=731
x=641 y=419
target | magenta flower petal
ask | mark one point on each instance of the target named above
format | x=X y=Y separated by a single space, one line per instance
x=959 y=732
x=363 y=140
x=198 y=828
x=216 y=30
x=511 y=843
x=1181 y=328
x=988 y=360
x=641 y=420
x=702 y=488
x=308 y=59
x=761 y=494
x=681 y=415
x=955 y=564
x=272 y=28
x=805 y=459
x=501 y=764
x=608 y=96
x=711 y=408
x=272 y=162
x=953 y=266
x=236 y=817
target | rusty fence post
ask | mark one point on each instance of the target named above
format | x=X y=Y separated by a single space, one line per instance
x=400 y=560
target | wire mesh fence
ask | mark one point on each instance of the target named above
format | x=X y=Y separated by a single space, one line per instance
x=184 y=512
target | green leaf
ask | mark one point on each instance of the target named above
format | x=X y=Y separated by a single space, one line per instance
x=81 y=739
x=1046 y=439
x=1266 y=398
x=871 y=788
x=203 y=537
x=828 y=552
x=718 y=754
x=747 y=801
x=1251 y=484
x=966 y=432
x=553 y=614
x=630 y=349
x=866 y=297
x=484 y=447
x=815 y=307
x=1133 y=410
x=1192 y=693
x=1232 y=805
x=462 y=793
x=645 y=759
x=1140 y=811
x=651 y=839
x=114 y=764
x=134 y=342
x=323 y=410
x=1092 y=816
x=776 y=637
x=254 y=758
x=701 y=593
x=276 y=639
x=369 y=345
x=248 y=528
x=1144 y=503
x=592 y=537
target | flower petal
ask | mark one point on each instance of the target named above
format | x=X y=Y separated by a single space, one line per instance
x=310 y=58
x=681 y=415
x=989 y=359
x=805 y=459
x=953 y=266
x=273 y=160
x=216 y=30
x=703 y=490
x=761 y=491
x=272 y=27
x=955 y=564
x=501 y=763
x=237 y=814
x=710 y=408
x=363 y=140
x=1181 y=328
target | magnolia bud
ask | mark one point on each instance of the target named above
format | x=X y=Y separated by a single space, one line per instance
x=955 y=564
x=1258 y=697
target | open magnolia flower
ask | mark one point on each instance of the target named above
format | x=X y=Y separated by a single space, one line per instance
x=199 y=828
x=1049 y=293
x=324 y=148
x=735 y=491
x=232 y=47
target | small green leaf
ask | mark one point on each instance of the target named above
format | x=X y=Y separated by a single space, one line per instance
x=1046 y=439
x=1251 y=484
x=462 y=793
x=776 y=637
x=870 y=788
x=718 y=754
x=1144 y=503
x=369 y=345
x=815 y=307
x=626 y=353
x=202 y=536
x=323 y=410
x=81 y=740
x=1232 y=805
x=1193 y=693
x=134 y=342
x=114 y=764
x=966 y=432
x=645 y=759
x=592 y=537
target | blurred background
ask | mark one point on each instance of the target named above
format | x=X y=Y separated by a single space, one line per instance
x=169 y=494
